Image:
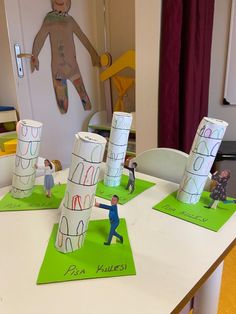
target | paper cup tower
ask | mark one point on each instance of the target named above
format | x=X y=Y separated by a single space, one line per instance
x=77 y=205
x=29 y=136
x=202 y=155
x=120 y=128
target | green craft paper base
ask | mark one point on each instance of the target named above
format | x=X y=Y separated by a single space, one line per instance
x=107 y=192
x=93 y=260
x=209 y=218
x=36 y=201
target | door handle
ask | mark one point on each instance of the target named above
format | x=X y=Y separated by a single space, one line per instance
x=19 y=63
x=24 y=55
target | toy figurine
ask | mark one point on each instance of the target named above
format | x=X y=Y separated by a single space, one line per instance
x=60 y=27
x=48 y=178
x=131 y=182
x=113 y=217
x=219 y=191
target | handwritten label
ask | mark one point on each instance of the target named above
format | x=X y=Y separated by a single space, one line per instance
x=12 y=205
x=110 y=268
x=186 y=214
x=75 y=271
x=168 y=207
x=40 y=204
x=194 y=217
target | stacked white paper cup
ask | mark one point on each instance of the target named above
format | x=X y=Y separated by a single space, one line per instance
x=121 y=124
x=83 y=177
x=201 y=158
x=28 y=143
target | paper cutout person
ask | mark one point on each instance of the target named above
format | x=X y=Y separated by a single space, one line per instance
x=113 y=217
x=131 y=181
x=60 y=27
x=48 y=178
x=219 y=191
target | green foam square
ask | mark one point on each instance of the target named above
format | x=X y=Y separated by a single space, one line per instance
x=208 y=218
x=93 y=260
x=107 y=192
x=36 y=201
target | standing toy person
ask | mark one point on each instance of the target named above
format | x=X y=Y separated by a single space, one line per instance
x=48 y=178
x=131 y=182
x=113 y=217
x=219 y=191
x=60 y=27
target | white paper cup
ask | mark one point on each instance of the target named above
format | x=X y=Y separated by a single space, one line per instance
x=201 y=158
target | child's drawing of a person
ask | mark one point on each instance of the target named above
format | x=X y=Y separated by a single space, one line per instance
x=60 y=27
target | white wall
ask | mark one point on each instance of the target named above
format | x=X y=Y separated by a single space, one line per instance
x=121 y=26
x=218 y=68
x=147 y=23
x=121 y=35
x=7 y=86
x=99 y=33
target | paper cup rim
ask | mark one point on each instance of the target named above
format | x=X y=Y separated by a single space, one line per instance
x=216 y=121
x=122 y=114
x=30 y=123
x=91 y=137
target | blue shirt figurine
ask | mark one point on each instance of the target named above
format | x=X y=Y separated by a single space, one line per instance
x=113 y=217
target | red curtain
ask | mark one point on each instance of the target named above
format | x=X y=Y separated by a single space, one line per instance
x=185 y=54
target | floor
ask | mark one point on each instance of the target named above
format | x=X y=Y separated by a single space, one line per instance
x=228 y=290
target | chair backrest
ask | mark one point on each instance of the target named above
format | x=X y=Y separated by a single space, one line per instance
x=163 y=163
x=7 y=163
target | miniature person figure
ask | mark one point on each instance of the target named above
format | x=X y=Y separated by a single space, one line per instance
x=131 y=181
x=113 y=217
x=60 y=27
x=48 y=178
x=219 y=191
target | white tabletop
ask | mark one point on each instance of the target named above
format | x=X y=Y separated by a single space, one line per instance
x=170 y=255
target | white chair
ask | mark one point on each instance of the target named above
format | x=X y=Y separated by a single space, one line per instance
x=164 y=163
x=7 y=163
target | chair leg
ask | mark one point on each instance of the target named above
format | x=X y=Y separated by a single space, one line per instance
x=207 y=298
